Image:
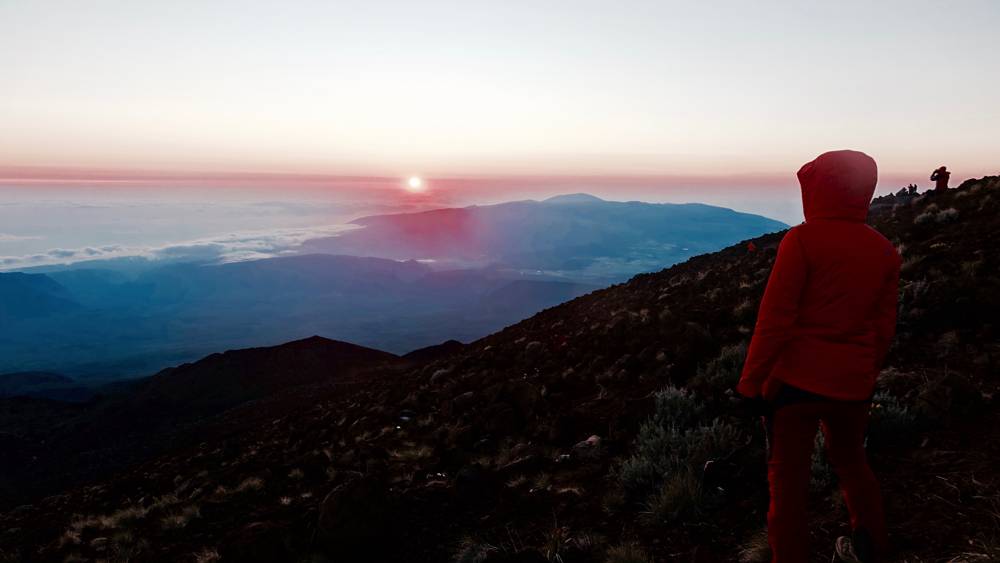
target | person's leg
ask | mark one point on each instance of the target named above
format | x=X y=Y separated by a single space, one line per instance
x=791 y=433
x=844 y=426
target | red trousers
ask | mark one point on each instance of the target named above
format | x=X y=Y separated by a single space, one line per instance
x=791 y=433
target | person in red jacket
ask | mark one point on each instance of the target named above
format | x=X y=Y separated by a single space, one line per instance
x=940 y=178
x=823 y=330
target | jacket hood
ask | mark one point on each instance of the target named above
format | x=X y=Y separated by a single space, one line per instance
x=838 y=185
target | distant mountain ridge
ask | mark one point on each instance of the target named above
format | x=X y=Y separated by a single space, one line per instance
x=486 y=267
x=221 y=381
x=578 y=236
x=180 y=312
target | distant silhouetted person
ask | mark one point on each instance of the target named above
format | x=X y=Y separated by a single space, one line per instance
x=912 y=188
x=940 y=178
x=823 y=330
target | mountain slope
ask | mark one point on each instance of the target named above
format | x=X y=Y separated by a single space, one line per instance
x=134 y=419
x=525 y=445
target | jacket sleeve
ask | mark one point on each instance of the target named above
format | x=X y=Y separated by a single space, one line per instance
x=778 y=312
x=885 y=315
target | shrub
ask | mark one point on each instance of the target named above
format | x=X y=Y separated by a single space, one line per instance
x=891 y=421
x=722 y=373
x=681 y=495
x=663 y=452
x=676 y=407
x=947 y=215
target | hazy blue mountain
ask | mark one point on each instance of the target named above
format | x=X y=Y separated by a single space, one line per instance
x=32 y=295
x=400 y=283
x=32 y=383
x=578 y=236
x=131 y=326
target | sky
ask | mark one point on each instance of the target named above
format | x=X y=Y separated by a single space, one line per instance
x=718 y=102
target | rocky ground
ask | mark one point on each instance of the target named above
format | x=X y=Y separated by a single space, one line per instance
x=600 y=430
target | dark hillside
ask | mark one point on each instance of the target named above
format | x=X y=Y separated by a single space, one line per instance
x=598 y=430
x=133 y=420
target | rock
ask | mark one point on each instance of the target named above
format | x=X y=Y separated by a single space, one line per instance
x=591 y=448
x=439 y=376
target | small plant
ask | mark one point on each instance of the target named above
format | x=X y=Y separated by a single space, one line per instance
x=821 y=475
x=556 y=542
x=412 y=454
x=756 y=549
x=125 y=547
x=627 y=553
x=471 y=551
x=179 y=519
x=250 y=484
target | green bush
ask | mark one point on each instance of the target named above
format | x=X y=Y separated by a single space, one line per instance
x=722 y=373
x=681 y=495
x=676 y=407
x=671 y=450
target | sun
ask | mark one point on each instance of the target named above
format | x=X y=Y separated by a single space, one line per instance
x=415 y=184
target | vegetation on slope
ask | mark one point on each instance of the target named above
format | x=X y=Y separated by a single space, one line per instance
x=599 y=430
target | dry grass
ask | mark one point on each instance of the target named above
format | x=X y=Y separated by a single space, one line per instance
x=250 y=484
x=628 y=553
x=179 y=519
x=207 y=556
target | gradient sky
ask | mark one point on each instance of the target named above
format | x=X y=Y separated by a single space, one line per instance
x=745 y=91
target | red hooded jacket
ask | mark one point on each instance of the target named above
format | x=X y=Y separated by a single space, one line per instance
x=829 y=311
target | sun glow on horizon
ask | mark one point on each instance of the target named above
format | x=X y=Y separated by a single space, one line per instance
x=415 y=184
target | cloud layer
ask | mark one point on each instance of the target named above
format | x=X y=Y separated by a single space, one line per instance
x=233 y=247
